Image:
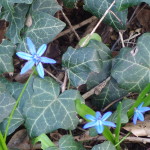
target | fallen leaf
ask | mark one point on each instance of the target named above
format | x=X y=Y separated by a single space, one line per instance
x=142 y=128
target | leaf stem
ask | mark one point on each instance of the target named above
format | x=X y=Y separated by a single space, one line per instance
x=15 y=106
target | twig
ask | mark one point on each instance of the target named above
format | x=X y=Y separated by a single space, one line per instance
x=72 y=28
x=97 y=88
x=85 y=22
x=132 y=37
x=106 y=12
x=63 y=87
x=121 y=38
x=53 y=76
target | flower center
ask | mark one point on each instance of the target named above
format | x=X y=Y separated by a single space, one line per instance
x=36 y=58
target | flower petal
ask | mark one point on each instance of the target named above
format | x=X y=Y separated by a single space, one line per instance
x=40 y=70
x=108 y=123
x=47 y=60
x=99 y=129
x=135 y=118
x=89 y=125
x=28 y=65
x=144 y=109
x=41 y=50
x=98 y=115
x=90 y=117
x=140 y=105
x=140 y=116
x=106 y=115
x=23 y=55
x=31 y=46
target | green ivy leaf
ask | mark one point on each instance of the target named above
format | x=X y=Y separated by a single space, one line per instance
x=47 y=6
x=20 y=1
x=124 y=4
x=47 y=111
x=45 y=26
x=16 y=21
x=126 y=105
x=131 y=67
x=7 y=50
x=69 y=3
x=105 y=145
x=110 y=93
x=99 y=7
x=7 y=5
x=80 y=63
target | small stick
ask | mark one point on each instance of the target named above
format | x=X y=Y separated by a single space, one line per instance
x=53 y=76
x=85 y=22
x=121 y=38
x=98 y=87
x=106 y=12
x=63 y=87
x=72 y=28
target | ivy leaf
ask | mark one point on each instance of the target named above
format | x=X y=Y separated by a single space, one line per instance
x=99 y=7
x=131 y=67
x=126 y=105
x=80 y=63
x=69 y=3
x=105 y=145
x=47 y=111
x=7 y=50
x=20 y=1
x=47 y=6
x=7 y=5
x=110 y=93
x=45 y=26
x=16 y=21
x=124 y=4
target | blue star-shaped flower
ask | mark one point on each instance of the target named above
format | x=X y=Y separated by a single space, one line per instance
x=138 y=113
x=35 y=58
x=99 y=121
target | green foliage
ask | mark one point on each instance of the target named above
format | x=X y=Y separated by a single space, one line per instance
x=131 y=67
x=69 y=3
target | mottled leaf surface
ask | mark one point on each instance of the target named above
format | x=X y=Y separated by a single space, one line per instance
x=126 y=105
x=131 y=67
x=69 y=3
x=47 y=6
x=43 y=25
x=124 y=4
x=99 y=7
x=104 y=146
x=20 y=1
x=16 y=21
x=110 y=93
x=67 y=142
x=80 y=63
x=47 y=111
x=7 y=50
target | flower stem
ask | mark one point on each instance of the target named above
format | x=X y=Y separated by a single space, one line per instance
x=15 y=106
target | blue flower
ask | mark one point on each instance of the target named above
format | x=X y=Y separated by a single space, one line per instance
x=35 y=58
x=99 y=121
x=138 y=113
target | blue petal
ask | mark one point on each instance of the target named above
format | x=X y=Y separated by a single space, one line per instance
x=89 y=125
x=140 y=116
x=140 y=105
x=47 y=60
x=135 y=118
x=99 y=129
x=27 y=66
x=98 y=115
x=108 y=123
x=144 y=109
x=40 y=70
x=90 y=117
x=31 y=46
x=41 y=50
x=106 y=115
x=23 y=55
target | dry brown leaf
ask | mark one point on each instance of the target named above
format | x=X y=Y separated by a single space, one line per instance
x=142 y=128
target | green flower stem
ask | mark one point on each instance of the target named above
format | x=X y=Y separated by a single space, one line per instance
x=16 y=104
x=2 y=143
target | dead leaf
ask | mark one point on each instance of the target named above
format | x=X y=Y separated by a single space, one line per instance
x=3 y=26
x=142 y=128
